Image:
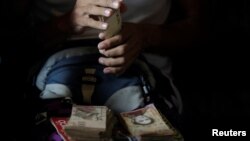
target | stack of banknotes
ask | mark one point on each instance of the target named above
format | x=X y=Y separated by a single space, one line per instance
x=90 y=123
x=99 y=123
x=148 y=124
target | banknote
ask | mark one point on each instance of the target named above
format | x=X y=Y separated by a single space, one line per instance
x=146 y=121
x=114 y=23
x=90 y=123
x=88 y=117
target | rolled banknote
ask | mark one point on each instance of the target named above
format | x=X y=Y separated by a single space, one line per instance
x=114 y=24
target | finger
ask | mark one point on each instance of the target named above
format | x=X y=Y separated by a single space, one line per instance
x=95 y=10
x=87 y=21
x=112 y=62
x=116 y=51
x=111 y=42
x=113 y=70
x=103 y=3
x=129 y=49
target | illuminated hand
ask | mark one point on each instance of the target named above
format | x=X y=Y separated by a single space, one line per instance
x=121 y=50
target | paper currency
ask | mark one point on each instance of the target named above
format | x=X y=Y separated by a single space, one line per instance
x=146 y=121
x=88 y=117
x=90 y=123
x=114 y=23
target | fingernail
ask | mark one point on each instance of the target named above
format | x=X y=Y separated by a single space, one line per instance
x=104 y=25
x=107 y=12
x=100 y=46
x=115 y=4
x=101 y=60
x=101 y=51
x=101 y=35
x=106 y=71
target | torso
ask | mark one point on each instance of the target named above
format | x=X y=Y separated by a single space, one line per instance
x=139 y=11
x=146 y=11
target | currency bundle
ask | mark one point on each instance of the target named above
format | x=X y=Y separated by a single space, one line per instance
x=90 y=123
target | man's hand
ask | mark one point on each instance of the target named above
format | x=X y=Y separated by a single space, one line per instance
x=122 y=49
x=85 y=13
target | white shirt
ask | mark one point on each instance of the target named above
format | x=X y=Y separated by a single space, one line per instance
x=146 y=11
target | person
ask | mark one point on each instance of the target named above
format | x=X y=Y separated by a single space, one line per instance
x=69 y=28
x=145 y=28
x=148 y=27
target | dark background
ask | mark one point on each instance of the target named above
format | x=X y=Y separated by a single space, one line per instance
x=213 y=76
